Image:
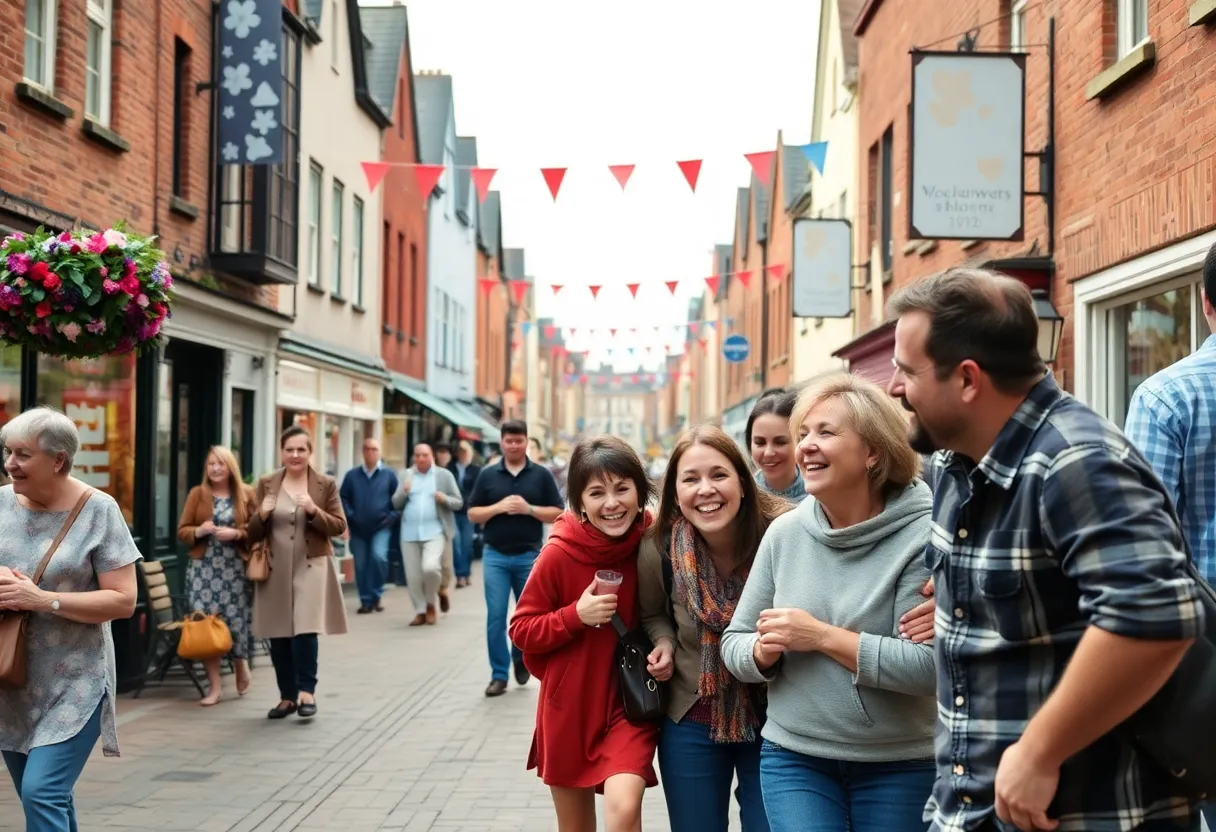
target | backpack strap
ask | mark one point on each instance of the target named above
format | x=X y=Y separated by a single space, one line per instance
x=63 y=532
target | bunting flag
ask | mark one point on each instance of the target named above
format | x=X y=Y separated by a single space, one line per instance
x=712 y=283
x=550 y=330
x=745 y=278
x=481 y=180
x=762 y=165
x=427 y=177
x=486 y=284
x=595 y=291
x=672 y=285
x=633 y=288
x=622 y=173
x=612 y=332
x=635 y=378
x=525 y=327
x=553 y=178
x=556 y=287
x=692 y=171
x=375 y=173
x=817 y=154
x=704 y=343
x=519 y=290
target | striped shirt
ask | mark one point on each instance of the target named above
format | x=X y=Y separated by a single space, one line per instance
x=1172 y=420
x=1061 y=526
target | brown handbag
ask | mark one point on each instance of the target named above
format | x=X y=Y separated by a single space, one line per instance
x=203 y=637
x=14 y=624
x=257 y=568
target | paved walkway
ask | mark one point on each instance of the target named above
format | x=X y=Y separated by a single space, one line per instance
x=404 y=740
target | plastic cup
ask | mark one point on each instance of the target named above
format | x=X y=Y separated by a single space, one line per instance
x=608 y=582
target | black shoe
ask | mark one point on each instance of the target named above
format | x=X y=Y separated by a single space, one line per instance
x=379 y=607
x=496 y=688
x=307 y=710
x=521 y=673
x=363 y=610
x=281 y=712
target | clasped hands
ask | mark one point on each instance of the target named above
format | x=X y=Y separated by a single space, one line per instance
x=514 y=504
x=788 y=630
x=225 y=534
x=18 y=591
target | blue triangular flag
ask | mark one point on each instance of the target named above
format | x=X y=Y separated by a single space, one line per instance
x=525 y=328
x=816 y=153
x=711 y=324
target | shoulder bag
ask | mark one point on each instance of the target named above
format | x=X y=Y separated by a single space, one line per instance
x=257 y=567
x=644 y=697
x=203 y=637
x=14 y=624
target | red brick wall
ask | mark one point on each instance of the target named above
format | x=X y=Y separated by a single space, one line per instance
x=403 y=312
x=490 y=373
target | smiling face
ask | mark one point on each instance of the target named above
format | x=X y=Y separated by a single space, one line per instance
x=773 y=449
x=423 y=458
x=217 y=470
x=28 y=466
x=708 y=489
x=938 y=414
x=611 y=504
x=296 y=452
x=832 y=457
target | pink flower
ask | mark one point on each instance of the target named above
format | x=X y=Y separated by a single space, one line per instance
x=18 y=263
x=128 y=268
x=142 y=300
x=110 y=287
x=105 y=272
x=51 y=282
x=65 y=237
x=115 y=238
x=130 y=285
x=70 y=331
x=43 y=310
x=97 y=244
x=96 y=327
x=19 y=283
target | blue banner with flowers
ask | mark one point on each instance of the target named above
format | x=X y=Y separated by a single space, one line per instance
x=249 y=82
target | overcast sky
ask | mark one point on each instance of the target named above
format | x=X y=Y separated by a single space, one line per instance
x=543 y=83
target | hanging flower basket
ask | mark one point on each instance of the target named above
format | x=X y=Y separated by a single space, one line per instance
x=83 y=294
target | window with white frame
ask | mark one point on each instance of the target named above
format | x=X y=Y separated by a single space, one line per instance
x=356 y=248
x=1132 y=24
x=443 y=332
x=98 y=49
x=1017 y=25
x=40 y=42
x=316 y=178
x=335 y=262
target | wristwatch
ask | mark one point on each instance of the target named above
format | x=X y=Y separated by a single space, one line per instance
x=55 y=604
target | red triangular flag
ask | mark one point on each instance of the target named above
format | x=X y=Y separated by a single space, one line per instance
x=762 y=164
x=556 y=287
x=487 y=284
x=612 y=332
x=519 y=290
x=550 y=330
x=515 y=344
x=553 y=178
x=745 y=278
x=675 y=375
x=671 y=287
x=375 y=173
x=704 y=343
x=691 y=170
x=622 y=173
x=481 y=180
x=582 y=379
x=712 y=283
x=776 y=272
x=595 y=290
x=427 y=177
x=635 y=378
x=633 y=288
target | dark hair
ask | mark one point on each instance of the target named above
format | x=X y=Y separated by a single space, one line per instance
x=777 y=401
x=980 y=315
x=514 y=427
x=441 y=446
x=1209 y=275
x=292 y=432
x=602 y=457
x=757 y=508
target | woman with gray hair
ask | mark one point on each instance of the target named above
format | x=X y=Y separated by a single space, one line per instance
x=48 y=727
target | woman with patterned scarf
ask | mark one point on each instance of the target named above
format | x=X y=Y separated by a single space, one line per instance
x=691 y=572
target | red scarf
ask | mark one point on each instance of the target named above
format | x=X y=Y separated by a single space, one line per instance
x=585 y=543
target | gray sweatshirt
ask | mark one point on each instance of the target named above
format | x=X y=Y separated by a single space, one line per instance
x=861 y=578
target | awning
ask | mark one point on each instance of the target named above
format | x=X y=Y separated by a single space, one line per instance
x=325 y=353
x=489 y=433
x=454 y=413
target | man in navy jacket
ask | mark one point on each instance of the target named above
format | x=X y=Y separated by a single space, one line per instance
x=367 y=498
x=465 y=471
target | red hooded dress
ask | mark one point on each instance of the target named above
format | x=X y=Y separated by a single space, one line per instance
x=582 y=737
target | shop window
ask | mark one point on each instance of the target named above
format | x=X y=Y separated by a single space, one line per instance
x=99 y=396
x=300 y=418
x=331 y=446
x=10 y=383
x=1151 y=333
x=242 y=433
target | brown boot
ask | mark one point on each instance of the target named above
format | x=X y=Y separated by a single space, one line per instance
x=431 y=615
x=418 y=621
x=445 y=602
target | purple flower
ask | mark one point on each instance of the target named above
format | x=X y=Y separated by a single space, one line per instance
x=18 y=263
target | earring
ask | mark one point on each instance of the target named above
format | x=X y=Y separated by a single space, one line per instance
x=583 y=518
x=869 y=466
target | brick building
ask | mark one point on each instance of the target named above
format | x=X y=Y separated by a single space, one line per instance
x=1135 y=160
x=491 y=343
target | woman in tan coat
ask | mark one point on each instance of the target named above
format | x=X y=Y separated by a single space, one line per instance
x=299 y=512
x=213 y=524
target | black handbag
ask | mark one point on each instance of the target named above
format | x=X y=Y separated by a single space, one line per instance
x=644 y=697
x=1177 y=727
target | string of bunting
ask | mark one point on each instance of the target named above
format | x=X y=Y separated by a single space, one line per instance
x=427 y=176
x=519 y=288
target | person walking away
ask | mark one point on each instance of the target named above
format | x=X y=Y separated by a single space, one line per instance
x=848 y=744
x=443 y=458
x=367 y=499
x=299 y=514
x=214 y=524
x=772 y=445
x=466 y=473
x=512 y=500
x=428 y=498
x=583 y=744
x=49 y=726
x=1060 y=571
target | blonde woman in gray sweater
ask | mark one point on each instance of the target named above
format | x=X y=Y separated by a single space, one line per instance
x=848 y=744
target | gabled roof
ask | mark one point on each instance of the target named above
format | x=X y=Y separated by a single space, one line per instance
x=358 y=61
x=433 y=106
x=466 y=157
x=489 y=225
x=513 y=263
x=848 y=11
x=386 y=30
x=761 y=194
x=795 y=174
x=743 y=202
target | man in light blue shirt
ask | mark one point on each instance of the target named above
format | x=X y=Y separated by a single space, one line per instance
x=428 y=497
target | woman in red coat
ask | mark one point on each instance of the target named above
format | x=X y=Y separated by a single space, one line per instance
x=583 y=744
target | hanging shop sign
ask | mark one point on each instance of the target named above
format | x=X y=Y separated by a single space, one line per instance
x=823 y=268
x=249 y=82
x=968 y=146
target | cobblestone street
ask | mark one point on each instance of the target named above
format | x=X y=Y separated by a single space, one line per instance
x=404 y=740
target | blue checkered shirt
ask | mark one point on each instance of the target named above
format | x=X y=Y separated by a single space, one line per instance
x=1060 y=527
x=1172 y=420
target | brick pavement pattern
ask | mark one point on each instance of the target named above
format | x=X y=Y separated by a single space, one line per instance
x=404 y=740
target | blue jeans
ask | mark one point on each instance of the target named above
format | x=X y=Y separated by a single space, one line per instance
x=503 y=575
x=462 y=547
x=697 y=775
x=811 y=794
x=371 y=565
x=45 y=777
x=1209 y=815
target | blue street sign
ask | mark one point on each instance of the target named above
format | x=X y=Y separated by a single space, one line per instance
x=735 y=349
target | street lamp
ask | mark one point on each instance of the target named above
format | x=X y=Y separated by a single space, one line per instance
x=1051 y=325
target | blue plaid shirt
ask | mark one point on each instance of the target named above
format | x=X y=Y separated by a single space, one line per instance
x=1172 y=420
x=1060 y=527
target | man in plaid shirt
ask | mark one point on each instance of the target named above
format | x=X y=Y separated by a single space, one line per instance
x=1063 y=603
